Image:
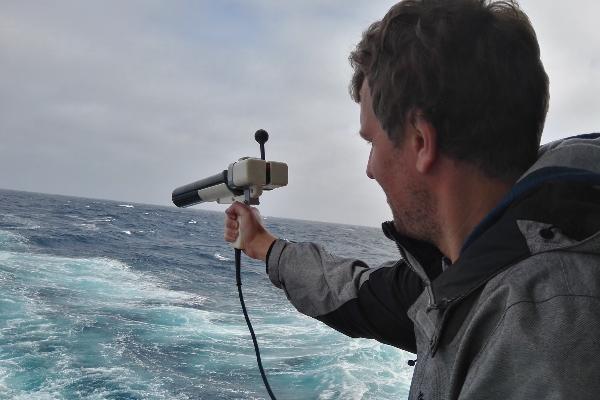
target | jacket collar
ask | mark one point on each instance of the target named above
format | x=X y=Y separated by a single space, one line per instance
x=526 y=227
x=551 y=195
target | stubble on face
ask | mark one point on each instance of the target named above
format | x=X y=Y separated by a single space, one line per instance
x=414 y=209
x=417 y=220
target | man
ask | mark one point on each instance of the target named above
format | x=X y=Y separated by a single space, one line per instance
x=498 y=285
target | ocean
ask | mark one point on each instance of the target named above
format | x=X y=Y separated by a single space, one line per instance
x=114 y=300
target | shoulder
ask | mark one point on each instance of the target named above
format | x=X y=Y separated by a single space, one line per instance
x=543 y=292
x=546 y=275
x=540 y=319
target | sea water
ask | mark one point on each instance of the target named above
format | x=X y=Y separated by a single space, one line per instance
x=112 y=300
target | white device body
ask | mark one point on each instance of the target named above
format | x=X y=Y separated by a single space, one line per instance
x=251 y=174
x=243 y=181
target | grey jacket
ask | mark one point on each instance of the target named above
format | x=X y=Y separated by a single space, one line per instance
x=516 y=317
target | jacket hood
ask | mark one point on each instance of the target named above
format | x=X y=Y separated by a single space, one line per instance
x=579 y=152
x=571 y=160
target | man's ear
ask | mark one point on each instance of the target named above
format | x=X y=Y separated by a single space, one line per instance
x=425 y=141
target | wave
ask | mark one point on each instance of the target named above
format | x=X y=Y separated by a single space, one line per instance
x=155 y=314
x=88 y=226
x=10 y=221
x=220 y=257
x=13 y=241
x=56 y=310
x=102 y=219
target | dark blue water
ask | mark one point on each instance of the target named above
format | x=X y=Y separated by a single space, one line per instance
x=109 y=300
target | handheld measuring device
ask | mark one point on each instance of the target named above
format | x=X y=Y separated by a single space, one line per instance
x=245 y=181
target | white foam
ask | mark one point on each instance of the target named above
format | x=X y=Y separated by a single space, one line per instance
x=140 y=301
x=97 y=283
x=192 y=221
x=31 y=227
x=12 y=240
x=102 y=219
x=221 y=257
x=88 y=226
x=126 y=205
x=195 y=300
x=18 y=222
x=126 y=232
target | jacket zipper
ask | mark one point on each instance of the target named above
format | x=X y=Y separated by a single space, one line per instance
x=430 y=298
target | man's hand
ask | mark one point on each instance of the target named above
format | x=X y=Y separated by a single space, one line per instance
x=256 y=238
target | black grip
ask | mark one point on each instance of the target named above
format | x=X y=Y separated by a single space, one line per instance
x=187 y=195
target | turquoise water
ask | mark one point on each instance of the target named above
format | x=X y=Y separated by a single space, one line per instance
x=108 y=300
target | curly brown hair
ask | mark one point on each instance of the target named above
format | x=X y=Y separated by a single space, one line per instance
x=472 y=67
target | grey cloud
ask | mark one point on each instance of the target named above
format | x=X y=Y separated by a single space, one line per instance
x=128 y=99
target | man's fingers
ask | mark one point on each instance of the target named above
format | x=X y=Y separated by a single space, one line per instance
x=230 y=236
x=237 y=208
x=231 y=224
x=231 y=212
x=241 y=216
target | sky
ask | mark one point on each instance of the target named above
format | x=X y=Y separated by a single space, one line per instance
x=128 y=99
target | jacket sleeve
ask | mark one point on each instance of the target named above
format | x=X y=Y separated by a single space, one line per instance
x=540 y=350
x=345 y=293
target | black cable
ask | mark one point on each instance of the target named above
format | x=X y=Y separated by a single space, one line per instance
x=238 y=280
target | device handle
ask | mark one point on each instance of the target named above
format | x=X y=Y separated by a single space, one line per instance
x=239 y=242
